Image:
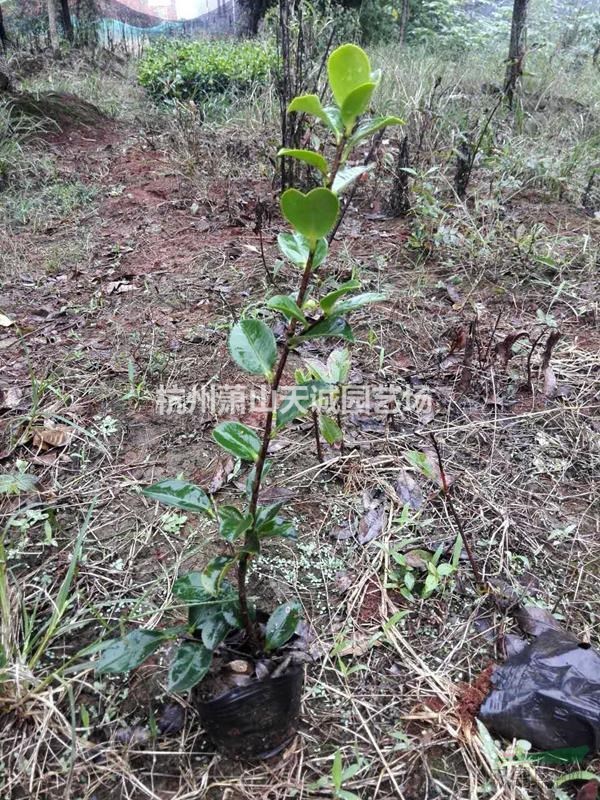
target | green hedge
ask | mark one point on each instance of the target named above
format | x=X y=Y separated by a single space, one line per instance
x=196 y=70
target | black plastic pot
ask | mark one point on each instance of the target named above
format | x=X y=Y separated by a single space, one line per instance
x=258 y=720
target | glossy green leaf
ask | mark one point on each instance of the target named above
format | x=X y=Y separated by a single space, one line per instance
x=279 y=527
x=211 y=605
x=356 y=103
x=330 y=326
x=288 y=307
x=295 y=247
x=358 y=301
x=281 y=625
x=129 y=652
x=330 y=429
x=310 y=104
x=266 y=513
x=238 y=439
x=308 y=157
x=330 y=299
x=214 y=572
x=214 y=630
x=298 y=400
x=232 y=523
x=370 y=126
x=189 y=589
x=253 y=347
x=190 y=664
x=181 y=494
x=348 y=67
x=346 y=177
x=313 y=214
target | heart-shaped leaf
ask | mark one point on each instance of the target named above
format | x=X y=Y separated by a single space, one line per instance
x=190 y=664
x=313 y=214
x=129 y=652
x=299 y=400
x=331 y=326
x=356 y=103
x=181 y=494
x=253 y=347
x=346 y=177
x=348 y=68
x=237 y=439
x=308 y=157
x=288 y=307
x=281 y=625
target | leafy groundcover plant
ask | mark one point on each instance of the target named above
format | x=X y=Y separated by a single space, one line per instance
x=218 y=611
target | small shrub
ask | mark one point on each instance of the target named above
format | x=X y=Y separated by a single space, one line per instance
x=196 y=70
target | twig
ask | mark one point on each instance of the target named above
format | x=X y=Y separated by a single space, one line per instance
x=459 y=525
x=315 y=419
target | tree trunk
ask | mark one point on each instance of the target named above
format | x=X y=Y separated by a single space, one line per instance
x=516 y=51
x=53 y=26
x=66 y=19
x=404 y=20
x=3 y=36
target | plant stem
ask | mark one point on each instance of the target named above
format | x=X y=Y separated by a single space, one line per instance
x=250 y=628
x=315 y=420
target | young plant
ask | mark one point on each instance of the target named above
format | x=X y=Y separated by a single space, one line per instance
x=215 y=607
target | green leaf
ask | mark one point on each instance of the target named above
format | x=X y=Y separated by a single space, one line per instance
x=370 y=126
x=215 y=571
x=348 y=68
x=298 y=401
x=253 y=347
x=331 y=326
x=313 y=214
x=189 y=665
x=238 y=439
x=181 y=494
x=17 y=482
x=281 y=625
x=346 y=177
x=329 y=300
x=338 y=365
x=288 y=307
x=330 y=429
x=420 y=461
x=308 y=156
x=320 y=253
x=310 y=104
x=358 y=301
x=336 y=770
x=295 y=247
x=189 y=589
x=129 y=652
x=356 y=103
x=214 y=630
x=232 y=523
x=278 y=527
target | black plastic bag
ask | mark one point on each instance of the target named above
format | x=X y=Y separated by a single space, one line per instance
x=547 y=693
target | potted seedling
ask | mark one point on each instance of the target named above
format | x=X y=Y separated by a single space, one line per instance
x=224 y=634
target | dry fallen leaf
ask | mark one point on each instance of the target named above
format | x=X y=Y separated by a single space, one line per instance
x=59 y=436
x=408 y=490
x=11 y=397
x=5 y=322
x=371 y=525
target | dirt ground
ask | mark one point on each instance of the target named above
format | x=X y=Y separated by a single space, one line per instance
x=135 y=292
